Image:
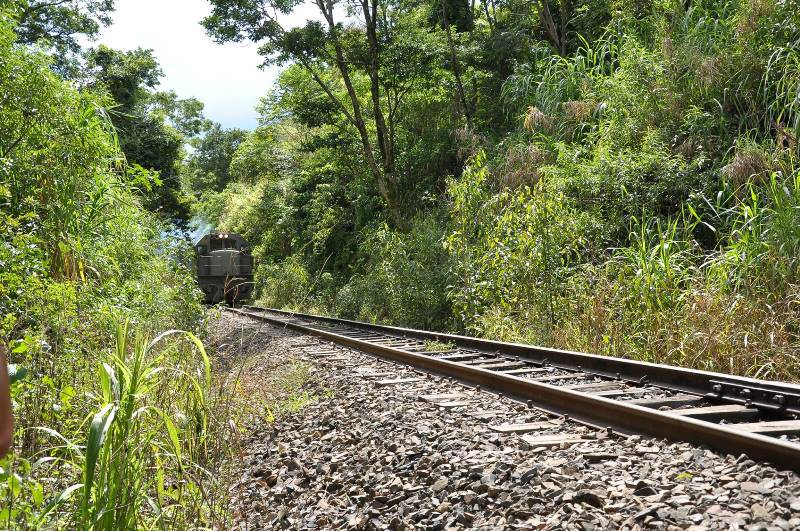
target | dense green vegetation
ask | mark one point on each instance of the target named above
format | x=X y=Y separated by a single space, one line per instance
x=610 y=176
x=116 y=425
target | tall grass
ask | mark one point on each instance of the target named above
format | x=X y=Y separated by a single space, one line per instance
x=146 y=461
x=733 y=309
x=657 y=267
x=780 y=89
x=109 y=435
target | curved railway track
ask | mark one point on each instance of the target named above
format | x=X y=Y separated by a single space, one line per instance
x=728 y=413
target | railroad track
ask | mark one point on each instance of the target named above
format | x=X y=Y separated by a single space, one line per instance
x=727 y=413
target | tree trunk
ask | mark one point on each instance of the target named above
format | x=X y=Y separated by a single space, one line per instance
x=385 y=141
x=456 y=67
x=378 y=173
x=557 y=36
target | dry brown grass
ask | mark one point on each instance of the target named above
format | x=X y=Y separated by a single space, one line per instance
x=578 y=110
x=750 y=164
x=257 y=383
x=537 y=121
x=754 y=12
x=687 y=148
x=785 y=139
x=709 y=72
x=469 y=142
x=522 y=165
x=668 y=48
x=714 y=331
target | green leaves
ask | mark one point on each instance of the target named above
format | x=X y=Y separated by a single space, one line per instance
x=152 y=126
x=57 y=26
x=208 y=168
x=16 y=373
x=64 y=496
x=77 y=251
x=62 y=153
x=98 y=430
x=134 y=429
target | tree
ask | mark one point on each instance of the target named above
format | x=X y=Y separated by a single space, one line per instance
x=208 y=167
x=129 y=77
x=57 y=24
x=462 y=23
x=185 y=114
x=562 y=21
x=152 y=126
x=56 y=163
x=351 y=51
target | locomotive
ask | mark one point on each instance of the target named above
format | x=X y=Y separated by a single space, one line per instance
x=224 y=267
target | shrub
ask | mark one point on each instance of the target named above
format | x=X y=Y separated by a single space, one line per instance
x=402 y=279
x=284 y=285
x=512 y=251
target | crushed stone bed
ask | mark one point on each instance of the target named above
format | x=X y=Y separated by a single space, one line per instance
x=369 y=453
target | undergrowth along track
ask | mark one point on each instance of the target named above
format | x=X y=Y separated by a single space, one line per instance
x=728 y=413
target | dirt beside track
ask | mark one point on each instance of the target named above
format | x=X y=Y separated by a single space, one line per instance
x=349 y=442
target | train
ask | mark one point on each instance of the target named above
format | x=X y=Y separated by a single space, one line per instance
x=224 y=268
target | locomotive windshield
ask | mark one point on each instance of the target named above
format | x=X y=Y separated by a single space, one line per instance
x=219 y=244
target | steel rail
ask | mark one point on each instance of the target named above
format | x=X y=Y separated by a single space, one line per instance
x=666 y=376
x=595 y=410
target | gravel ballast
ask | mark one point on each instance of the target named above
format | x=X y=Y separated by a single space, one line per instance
x=367 y=452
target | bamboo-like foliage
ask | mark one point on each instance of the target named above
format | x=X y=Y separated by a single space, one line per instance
x=140 y=461
x=780 y=90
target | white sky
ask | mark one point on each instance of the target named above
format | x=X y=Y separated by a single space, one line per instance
x=226 y=78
